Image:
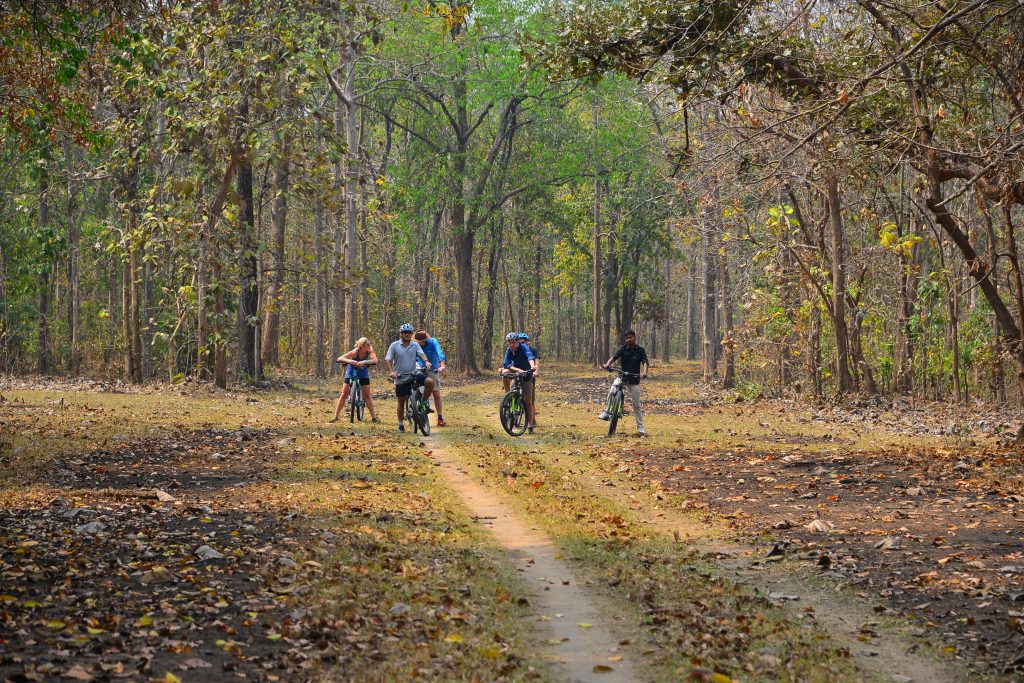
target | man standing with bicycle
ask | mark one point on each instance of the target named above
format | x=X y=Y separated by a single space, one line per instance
x=519 y=356
x=401 y=360
x=633 y=359
x=435 y=354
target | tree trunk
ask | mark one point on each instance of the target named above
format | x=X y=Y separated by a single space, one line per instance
x=274 y=292
x=74 y=234
x=321 y=288
x=43 y=357
x=692 y=311
x=248 y=304
x=463 y=238
x=493 y=259
x=666 y=320
x=596 y=356
x=352 y=274
x=710 y=318
x=728 y=343
x=844 y=381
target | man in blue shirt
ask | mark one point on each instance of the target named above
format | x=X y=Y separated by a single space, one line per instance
x=435 y=356
x=520 y=357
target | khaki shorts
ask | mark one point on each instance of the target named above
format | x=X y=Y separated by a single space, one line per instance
x=434 y=376
x=530 y=390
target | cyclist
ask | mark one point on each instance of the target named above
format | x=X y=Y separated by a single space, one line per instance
x=633 y=359
x=524 y=339
x=357 y=362
x=435 y=354
x=519 y=356
x=401 y=359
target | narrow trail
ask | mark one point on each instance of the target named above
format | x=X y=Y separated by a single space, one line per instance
x=895 y=652
x=893 y=655
x=583 y=643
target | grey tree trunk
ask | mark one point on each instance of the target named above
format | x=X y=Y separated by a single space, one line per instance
x=692 y=311
x=43 y=356
x=274 y=293
x=710 y=317
x=321 y=289
x=74 y=234
x=844 y=380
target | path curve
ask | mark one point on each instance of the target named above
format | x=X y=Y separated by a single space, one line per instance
x=582 y=643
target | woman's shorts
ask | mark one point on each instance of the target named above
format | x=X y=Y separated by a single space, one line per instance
x=363 y=381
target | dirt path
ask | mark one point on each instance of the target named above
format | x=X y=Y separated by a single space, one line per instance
x=885 y=649
x=583 y=643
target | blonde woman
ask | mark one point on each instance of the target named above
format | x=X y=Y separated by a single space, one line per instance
x=357 y=363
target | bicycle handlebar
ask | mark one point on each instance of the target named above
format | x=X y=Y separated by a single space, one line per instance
x=612 y=368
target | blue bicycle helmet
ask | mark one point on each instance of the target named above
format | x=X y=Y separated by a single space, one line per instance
x=511 y=335
x=524 y=337
x=406 y=327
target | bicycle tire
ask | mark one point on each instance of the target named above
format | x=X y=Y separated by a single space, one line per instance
x=424 y=418
x=360 y=409
x=614 y=410
x=512 y=413
x=352 y=408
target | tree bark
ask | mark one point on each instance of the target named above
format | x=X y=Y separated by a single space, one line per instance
x=596 y=356
x=43 y=356
x=321 y=289
x=710 y=318
x=274 y=292
x=74 y=234
x=844 y=381
x=692 y=311
x=248 y=304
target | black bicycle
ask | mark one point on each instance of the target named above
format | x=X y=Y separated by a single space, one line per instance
x=617 y=402
x=417 y=411
x=357 y=406
x=513 y=408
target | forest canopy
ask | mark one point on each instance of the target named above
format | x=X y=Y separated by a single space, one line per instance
x=809 y=197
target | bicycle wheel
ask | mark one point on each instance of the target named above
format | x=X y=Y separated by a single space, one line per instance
x=614 y=411
x=360 y=409
x=352 y=408
x=512 y=414
x=424 y=417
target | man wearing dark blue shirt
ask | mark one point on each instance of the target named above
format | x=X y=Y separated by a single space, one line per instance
x=519 y=357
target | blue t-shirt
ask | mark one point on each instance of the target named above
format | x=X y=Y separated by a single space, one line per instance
x=433 y=352
x=361 y=373
x=520 y=358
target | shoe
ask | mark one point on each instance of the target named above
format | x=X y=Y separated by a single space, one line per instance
x=401 y=427
x=333 y=419
x=530 y=430
x=603 y=415
x=375 y=420
x=429 y=410
x=441 y=422
x=641 y=433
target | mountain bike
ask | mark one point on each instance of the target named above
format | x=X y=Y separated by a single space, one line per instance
x=417 y=411
x=618 y=397
x=513 y=408
x=357 y=406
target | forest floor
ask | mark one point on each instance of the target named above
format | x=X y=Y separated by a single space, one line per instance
x=178 y=533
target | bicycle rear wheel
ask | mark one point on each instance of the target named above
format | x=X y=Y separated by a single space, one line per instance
x=513 y=414
x=614 y=411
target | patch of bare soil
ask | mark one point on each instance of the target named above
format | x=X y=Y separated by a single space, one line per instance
x=928 y=534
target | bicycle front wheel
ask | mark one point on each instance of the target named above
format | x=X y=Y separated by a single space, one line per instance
x=360 y=409
x=352 y=408
x=513 y=414
x=424 y=419
x=614 y=411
